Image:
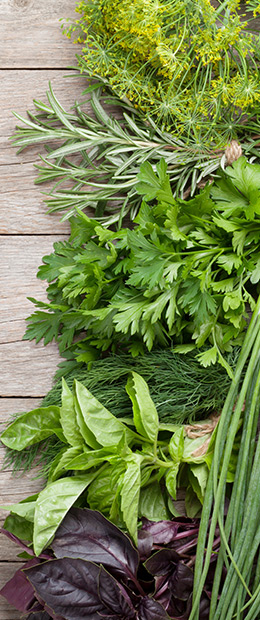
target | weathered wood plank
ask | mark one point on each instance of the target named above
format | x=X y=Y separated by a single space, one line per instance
x=27 y=369
x=21 y=257
x=30 y=34
x=22 y=209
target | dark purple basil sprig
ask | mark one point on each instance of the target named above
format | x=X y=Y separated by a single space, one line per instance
x=93 y=571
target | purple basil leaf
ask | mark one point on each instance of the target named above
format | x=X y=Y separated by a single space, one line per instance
x=39 y=615
x=150 y=609
x=182 y=582
x=18 y=591
x=162 y=562
x=71 y=588
x=86 y=534
x=145 y=544
x=114 y=596
x=162 y=532
x=162 y=592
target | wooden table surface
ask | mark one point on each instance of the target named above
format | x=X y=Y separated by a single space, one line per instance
x=33 y=51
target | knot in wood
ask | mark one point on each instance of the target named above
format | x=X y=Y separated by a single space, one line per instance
x=233 y=152
x=21 y=5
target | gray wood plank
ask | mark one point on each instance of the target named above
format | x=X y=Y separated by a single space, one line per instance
x=27 y=369
x=21 y=257
x=22 y=208
x=30 y=34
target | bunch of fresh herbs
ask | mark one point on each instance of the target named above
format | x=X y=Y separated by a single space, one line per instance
x=191 y=66
x=182 y=390
x=238 y=520
x=92 y=570
x=126 y=468
x=97 y=155
x=186 y=273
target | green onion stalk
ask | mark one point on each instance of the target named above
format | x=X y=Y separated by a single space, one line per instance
x=239 y=597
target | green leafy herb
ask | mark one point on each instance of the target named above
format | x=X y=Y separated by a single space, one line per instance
x=113 y=468
x=180 y=276
x=193 y=67
x=92 y=159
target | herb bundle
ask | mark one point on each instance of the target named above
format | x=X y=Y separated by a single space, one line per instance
x=182 y=390
x=127 y=468
x=184 y=275
x=192 y=67
x=92 y=569
x=100 y=155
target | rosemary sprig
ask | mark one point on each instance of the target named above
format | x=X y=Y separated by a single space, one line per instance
x=101 y=156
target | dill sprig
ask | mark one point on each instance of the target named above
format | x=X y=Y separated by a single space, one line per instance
x=97 y=157
x=192 y=67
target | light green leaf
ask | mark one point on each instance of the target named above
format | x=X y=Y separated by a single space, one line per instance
x=171 y=480
x=229 y=262
x=208 y=357
x=53 y=504
x=232 y=300
x=183 y=348
x=91 y=458
x=176 y=445
x=61 y=465
x=19 y=526
x=101 y=426
x=32 y=427
x=151 y=503
x=255 y=276
x=238 y=241
x=68 y=417
x=145 y=414
x=198 y=477
x=23 y=509
x=130 y=493
x=192 y=503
